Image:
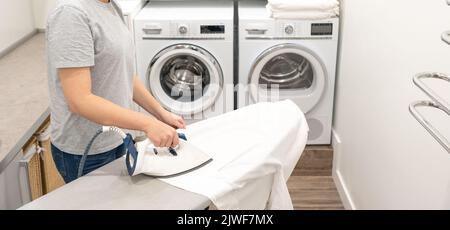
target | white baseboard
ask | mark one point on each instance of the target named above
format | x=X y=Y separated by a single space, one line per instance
x=337 y=177
x=17 y=43
x=344 y=194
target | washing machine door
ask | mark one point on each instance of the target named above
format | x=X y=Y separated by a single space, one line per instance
x=185 y=79
x=288 y=71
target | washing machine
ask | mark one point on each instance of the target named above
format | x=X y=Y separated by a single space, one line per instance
x=185 y=56
x=289 y=59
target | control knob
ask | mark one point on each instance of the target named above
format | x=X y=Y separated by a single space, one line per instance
x=183 y=29
x=289 y=29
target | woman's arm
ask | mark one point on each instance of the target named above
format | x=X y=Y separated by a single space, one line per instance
x=76 y=85
x=144 y=99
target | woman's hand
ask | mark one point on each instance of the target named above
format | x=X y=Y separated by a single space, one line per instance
x=161 y=135
x=173 y=120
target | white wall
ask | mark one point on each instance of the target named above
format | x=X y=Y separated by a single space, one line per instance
x=41 y=8
x=16 y=21
x=386 y=160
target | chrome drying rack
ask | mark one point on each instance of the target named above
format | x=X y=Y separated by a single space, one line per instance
x=436 y=102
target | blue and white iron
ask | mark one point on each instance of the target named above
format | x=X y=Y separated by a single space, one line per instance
x=142 y=157
x=164 y=162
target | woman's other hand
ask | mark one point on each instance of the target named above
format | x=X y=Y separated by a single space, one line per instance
x=173 y=120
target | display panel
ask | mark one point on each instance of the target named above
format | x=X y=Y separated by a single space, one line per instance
x=212 y=29
x=321 y=29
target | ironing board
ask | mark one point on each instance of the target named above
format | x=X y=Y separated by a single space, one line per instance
x=110 y=188
x=255 y=150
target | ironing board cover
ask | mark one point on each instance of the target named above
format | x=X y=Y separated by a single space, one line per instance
x=255 y=149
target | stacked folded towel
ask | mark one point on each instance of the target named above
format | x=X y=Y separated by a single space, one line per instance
x=303 y=9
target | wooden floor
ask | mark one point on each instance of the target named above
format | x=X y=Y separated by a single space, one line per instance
x=311 y=185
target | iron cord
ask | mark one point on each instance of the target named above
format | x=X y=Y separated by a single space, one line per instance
x=86 y=151
x=104 y=129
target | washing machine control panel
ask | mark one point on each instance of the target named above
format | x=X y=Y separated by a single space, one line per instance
x=290 y=29
x=186 y=30
x=198 y=30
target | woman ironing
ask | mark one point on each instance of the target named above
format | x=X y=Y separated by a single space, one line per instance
x=92 y=83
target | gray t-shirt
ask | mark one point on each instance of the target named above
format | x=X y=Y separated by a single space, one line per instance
x=88 y=33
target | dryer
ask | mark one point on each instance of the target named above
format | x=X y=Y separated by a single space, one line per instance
x=185 y=56
x=289 y=59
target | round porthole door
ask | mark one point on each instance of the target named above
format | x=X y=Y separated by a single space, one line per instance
x=185 y=79
x=288 y=71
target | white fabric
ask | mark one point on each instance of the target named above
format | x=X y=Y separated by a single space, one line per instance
x=255 y=149
x=302 y=14
x=303 y=5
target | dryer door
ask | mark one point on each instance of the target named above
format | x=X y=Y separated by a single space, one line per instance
x=288 y=71
x=185 y=79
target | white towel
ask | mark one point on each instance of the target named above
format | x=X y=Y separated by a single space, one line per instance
x=302 y=14
x=299 y=5
x=255 y=149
